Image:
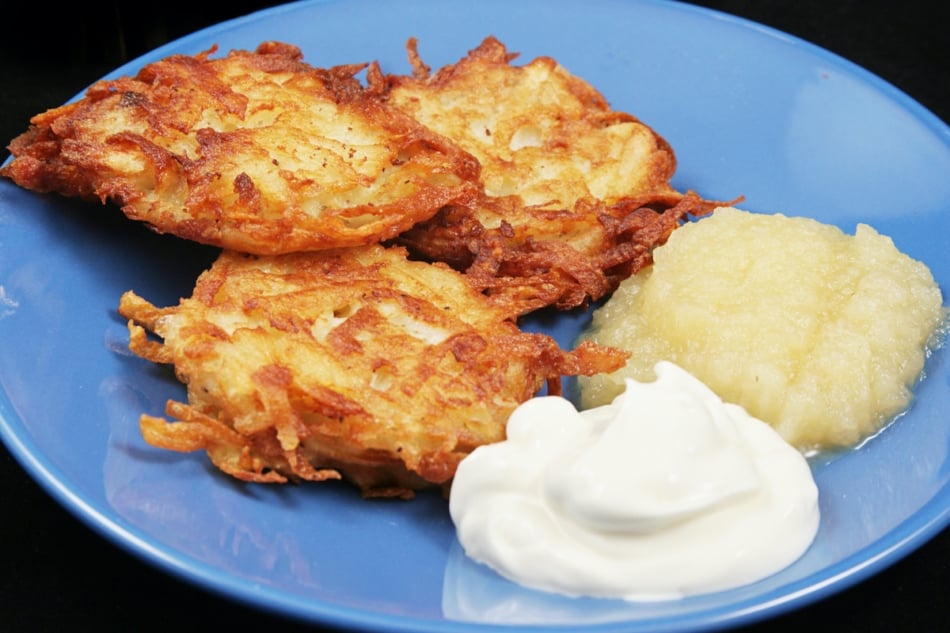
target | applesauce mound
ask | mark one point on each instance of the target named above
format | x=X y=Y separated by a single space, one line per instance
x=821 y=334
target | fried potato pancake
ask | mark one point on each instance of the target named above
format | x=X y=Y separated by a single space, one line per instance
x=576 y=194
x=354 y=363
x=253 y=151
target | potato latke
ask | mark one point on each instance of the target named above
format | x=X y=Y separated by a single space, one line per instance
x=576 y=194
x=354 y=363
x=253 y=151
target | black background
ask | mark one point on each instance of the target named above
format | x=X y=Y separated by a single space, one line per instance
x=58 y=575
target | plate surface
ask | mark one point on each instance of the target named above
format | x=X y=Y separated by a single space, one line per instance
x=789 y=126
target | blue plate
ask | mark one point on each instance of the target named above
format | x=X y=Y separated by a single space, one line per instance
x=749 y=111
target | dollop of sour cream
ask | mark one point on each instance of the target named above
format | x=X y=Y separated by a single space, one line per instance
x=666 y=492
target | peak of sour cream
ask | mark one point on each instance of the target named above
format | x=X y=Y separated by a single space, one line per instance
x=666 y=492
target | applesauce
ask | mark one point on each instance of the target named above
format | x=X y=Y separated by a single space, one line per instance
x=819 y=333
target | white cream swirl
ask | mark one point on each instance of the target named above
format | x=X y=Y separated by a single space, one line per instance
x=666 y=492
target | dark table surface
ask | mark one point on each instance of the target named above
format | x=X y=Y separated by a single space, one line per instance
x=56 y=574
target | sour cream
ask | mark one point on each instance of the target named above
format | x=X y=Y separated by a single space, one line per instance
x=666 y=492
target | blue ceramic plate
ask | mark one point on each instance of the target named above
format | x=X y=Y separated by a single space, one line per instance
x=749 y=111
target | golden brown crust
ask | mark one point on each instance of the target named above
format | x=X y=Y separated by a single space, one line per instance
x=253 y=151
x=566 y=178
x=354 y=363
